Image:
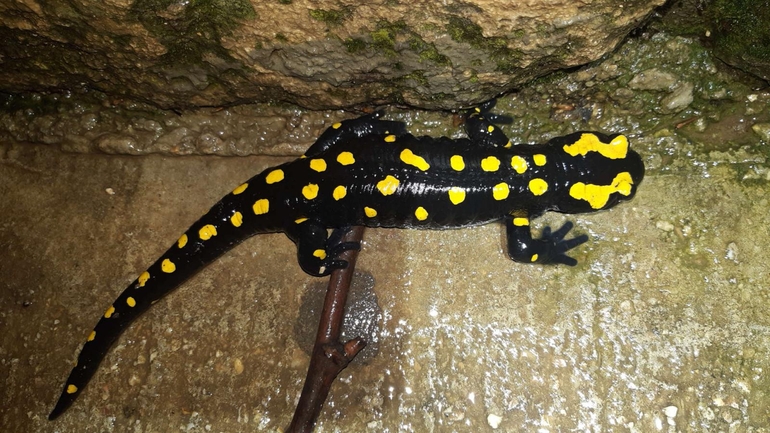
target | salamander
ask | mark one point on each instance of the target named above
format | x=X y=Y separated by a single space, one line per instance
x=370 y=171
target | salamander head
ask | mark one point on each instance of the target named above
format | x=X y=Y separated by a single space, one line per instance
x=600 y=172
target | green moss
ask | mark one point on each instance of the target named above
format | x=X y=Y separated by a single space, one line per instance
x=681 y=18
x=418 y=76
x=442 y=97
x=427 y=52
x=548 y=79
x=194 y=29
x=280 y=37
x=384 y=37
x=354 y=45
x=518 y=34
x=415 y=44
x=332 y=18
x=466 y=31
x=384 y=41
x=474 y=76
x=741 y=27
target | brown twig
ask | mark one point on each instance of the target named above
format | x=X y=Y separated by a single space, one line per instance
x=686 y=122
x=330 y=356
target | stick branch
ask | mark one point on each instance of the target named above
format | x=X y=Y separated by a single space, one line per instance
x=330 y=356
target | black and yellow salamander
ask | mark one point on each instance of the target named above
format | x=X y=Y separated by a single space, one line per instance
x=372 y=172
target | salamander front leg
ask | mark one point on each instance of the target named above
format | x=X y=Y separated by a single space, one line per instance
x=317 y=252
x=482 y=131
x=551 y=248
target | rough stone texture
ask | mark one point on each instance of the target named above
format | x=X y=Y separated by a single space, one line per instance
x=647 y=76
x=741 y=35
x=317 y=55
x=736 y=31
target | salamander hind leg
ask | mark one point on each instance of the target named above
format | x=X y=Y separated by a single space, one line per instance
x=355 y=128
x=317 y=252
x=551 y=248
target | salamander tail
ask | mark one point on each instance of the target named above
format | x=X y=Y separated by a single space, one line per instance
x=203 y=242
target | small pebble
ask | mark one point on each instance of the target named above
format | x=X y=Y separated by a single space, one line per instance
x=679 y=99
x=134 y=380
x=732 y=252
x=494 y=420
x=671 y=411
x=238 y=366
x=762 y=130
x=653 y=79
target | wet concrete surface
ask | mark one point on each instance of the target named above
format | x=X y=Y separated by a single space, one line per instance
x=663 y=326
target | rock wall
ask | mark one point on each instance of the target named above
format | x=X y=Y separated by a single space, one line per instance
x=318 y=55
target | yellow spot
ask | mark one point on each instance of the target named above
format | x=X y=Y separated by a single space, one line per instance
x=390 y=138
x=240 y=189
x=371 y=213
x=337 y=125
x=237 y=219
x=261 y=206
x=339 y=192
x=143 y=278
x=539 y=159
x=310 y=191
x=534 y=258
x=108 y=313
x=410 y=158
x=520 y=222
x=501 y=191
x=131 y=302
x=457 y=162
x=300 y=220
x=71 y=389
x=345 y=158
x=490 y=128
x=538 y=186
x=421 y=213
x=490 y=163
x=207 y=232
x=91 y=336
x=321 y=254
x=274 y=176
x=167 y=266
x=456 y=195
x=598 y=195
x=615 y=149
x=182 y=241
x=519 y=164
x=388 y=185
x=508 y=145
x=318 y=165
